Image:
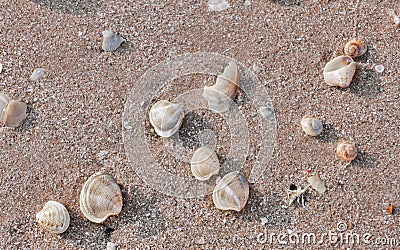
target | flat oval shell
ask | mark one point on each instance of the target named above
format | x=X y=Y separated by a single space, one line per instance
x=231 y=192
x=316 y=183
x=311 y=126
x=166 y=118
x=355 y=48
x=204 y=163
x=38 y=74
x=100 y=197
x=111 y=41
x=53 y=217
x=14 y=114
x=340 y=71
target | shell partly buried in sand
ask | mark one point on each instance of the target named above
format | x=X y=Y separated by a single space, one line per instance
x=311 y=126
x=53 y=217
x=340 y=71
x=111 y=41
x=231 y=192
x=220 y=95
x=100 y=197
x=14 y=114
x=38 y=74
x=166 y=117
x=346 y=150
x=355 y=48
x=204 y=163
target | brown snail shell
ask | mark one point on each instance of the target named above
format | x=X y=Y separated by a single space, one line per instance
x=231 y=192
x=204 y=163
x=53 y=217
x=14 y=114
x=311 y=126
x=355 y=48
x=346 y=150
x=166 y=117
x=100 y=197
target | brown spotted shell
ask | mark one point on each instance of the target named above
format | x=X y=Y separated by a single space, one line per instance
x=100 y=197
x=53 y=217
x=346 y=150
x=355 y=48
x=14 y=114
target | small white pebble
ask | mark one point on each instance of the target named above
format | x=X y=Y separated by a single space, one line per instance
x=247 y=3
x=263 y=221
x=218 y=5
x=396 y=18
x=111 y=246
x=37 y=74
x=379 y=68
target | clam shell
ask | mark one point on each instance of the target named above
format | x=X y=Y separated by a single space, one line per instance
x=166 y=118
x=204 y=163
x=53 y=217
x=100 y=197
x=4 y=100
x=355 y=48
x=346 y=150
x=339 y=71
x=220 y=95
x=38 y=74
x=311 y=126
x=316 y=183
x=14 y=114
x=231 y=192
x=111 y=41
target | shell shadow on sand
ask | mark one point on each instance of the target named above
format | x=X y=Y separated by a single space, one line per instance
x=71 y=7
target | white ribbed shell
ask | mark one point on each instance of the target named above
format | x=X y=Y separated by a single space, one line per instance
x=166 y=118
x=53 y=217
x=204 y=163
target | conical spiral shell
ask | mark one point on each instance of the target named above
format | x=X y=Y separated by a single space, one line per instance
x=346 y=150
x=111 y=41
x=221 y=94
x=14 y=114
x=231 y=192
x=339 y=71
x=355 y=48
x=311 y=126
x=204 y=163
x=53 y=217
x=166 y=118
x=100 y=197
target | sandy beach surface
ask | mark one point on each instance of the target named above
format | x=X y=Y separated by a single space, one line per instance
x=75 y=125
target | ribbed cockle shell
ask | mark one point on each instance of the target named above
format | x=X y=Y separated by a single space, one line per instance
x=339 y=71
x=53 y=217
x=204 y=163
x=14 y=114
x=166 y=117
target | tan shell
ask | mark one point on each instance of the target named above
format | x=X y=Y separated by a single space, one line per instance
x=4 y=100
x=221 y=94
x=340 y=71
x=166 y=118
x=111 y=41
x=311 y=126
x=38 y=74
x=355 y=48
x=204 y=163
x=53 y=217
x=316 y=183
x=14 y=114
x=346 y=150
x=100 y=197
x=231 y=192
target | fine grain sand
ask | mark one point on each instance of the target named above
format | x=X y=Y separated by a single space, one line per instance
x=74 y=126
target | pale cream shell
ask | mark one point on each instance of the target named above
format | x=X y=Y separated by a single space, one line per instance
x=220 y=95
x=111 y=41
x=38 y=74
x=14 y=114
x=340 y=71
x=166 y=118
x=53 y=217
x=231 y=192
x=311 y=126
x=204 y=163
x=100 y=197
x=316 y=183
x=4 y=100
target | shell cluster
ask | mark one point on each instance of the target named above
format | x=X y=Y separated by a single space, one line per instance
x=53 y=217
x=111 y=41
x=204 y=163
x=311 y=126
x=12 y=112
x=166 y=117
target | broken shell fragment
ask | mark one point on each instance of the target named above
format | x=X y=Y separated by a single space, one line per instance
x=339 y=71
x=14 y=114
x=220 y=95
x=38 y=74
x=355 y=48
x=100 y=197
x=204 y=163
x=111 y=41
x=53 y=217
x=346 y=150
x=166 y=117
x=316 y=183
x=231 y=192
x=311 y=126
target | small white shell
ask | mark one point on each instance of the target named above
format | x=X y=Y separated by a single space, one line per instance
x=111 y=41
x=316 y=183
x=100 y=197
x=53 y=217
x=204 y=163
x=220 y=95
x=4 y=100
x=218 y=5
x=231 y=192
x=38 y=74
x=166 y=118
x=14 y=114
x=339 y=71
x=311 y=126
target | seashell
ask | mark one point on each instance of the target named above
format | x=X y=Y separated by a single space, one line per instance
x=220 y=95
x=355 y=48
x=53 y=217
x=231 y=192
x=339 y=71
x=38 y=74
x=166 y=117
x=316 y=183
x=346 y=150
x=14 y=114
x=111 y=41
x=4 y=100
x=311 y=126
x=100 y=197
x=218 y=5
x=204 y=163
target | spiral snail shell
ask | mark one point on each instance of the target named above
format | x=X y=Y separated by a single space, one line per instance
x=166 y=117
x=53 y=217
x=339 y=71
x=204 y=163
x=311 y=126
x=346 y=150
x=355 y=48
x=111 y=41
